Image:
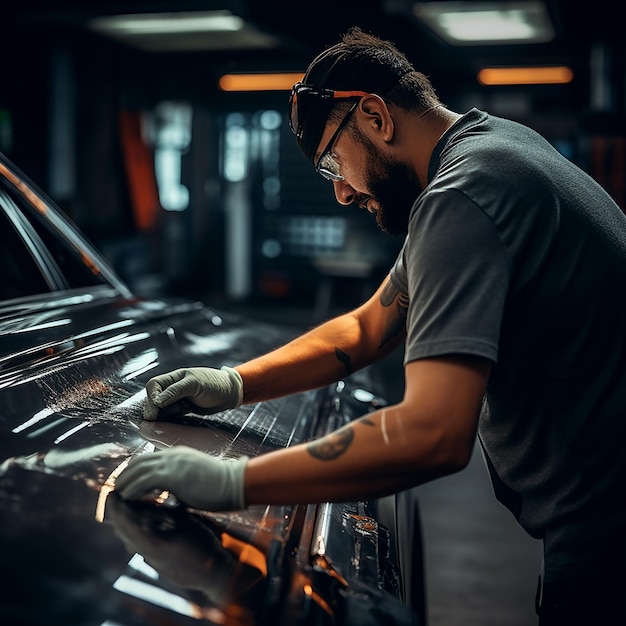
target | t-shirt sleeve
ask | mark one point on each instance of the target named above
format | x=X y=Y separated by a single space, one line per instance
x=455 y=271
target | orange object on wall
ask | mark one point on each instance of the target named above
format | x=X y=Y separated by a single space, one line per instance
x=139 y=165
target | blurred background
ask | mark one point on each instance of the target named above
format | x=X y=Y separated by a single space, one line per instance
x=136 y=118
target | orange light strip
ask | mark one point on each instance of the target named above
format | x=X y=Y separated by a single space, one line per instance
x=258 y=82
x=548 y=75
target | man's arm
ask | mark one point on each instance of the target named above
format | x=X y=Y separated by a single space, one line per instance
x=330 y=351
x=323 y=355
x=429 y=434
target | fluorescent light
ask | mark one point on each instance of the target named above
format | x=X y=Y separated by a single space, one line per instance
x=179 y=31
x=545 y=75
x=258 y=82
x=464 y=22
x=166 y=23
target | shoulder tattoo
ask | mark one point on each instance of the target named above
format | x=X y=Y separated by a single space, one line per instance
x=333 y=445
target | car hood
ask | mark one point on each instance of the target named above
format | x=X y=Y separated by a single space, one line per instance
x=72 y=376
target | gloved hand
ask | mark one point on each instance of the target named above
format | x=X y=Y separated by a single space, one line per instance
x=210 y=390
x=195 y=478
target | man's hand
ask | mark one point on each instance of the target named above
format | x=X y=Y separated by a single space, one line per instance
x=197 y=479
x=209 y=390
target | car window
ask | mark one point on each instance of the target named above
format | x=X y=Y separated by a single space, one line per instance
x=77 y=271
x=19 y=273
x=41 y=251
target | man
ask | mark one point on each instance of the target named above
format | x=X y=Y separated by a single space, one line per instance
x=509 y=297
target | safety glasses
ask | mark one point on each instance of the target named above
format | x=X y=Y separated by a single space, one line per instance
x=303 y=95
x=326 y=165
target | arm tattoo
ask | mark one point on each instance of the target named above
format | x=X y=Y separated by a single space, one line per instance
x=388 y=294
x=345 y=359
x=397 y=319
x=332 y=446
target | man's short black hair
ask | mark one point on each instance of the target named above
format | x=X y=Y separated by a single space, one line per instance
x=359 y=61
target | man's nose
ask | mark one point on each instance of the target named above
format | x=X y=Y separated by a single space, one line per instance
x=343 y=192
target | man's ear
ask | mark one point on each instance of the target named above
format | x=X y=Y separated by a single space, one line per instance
x=377 y=115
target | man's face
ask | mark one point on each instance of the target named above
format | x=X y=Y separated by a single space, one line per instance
x=393 y=187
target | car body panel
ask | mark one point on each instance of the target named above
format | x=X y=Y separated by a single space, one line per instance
x=73 y=365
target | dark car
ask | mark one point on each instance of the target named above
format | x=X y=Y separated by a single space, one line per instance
x=77 y=348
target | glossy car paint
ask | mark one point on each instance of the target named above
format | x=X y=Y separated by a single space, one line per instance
x=73 y=365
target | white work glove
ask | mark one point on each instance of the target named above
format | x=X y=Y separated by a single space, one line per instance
x=195 y=478
x=209 y=390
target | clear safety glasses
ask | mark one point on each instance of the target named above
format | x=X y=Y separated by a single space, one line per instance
x=326 y=165
x=302 y=96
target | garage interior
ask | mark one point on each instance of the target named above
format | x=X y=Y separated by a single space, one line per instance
x=195 y=190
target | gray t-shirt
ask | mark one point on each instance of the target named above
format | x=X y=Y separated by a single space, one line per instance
x=516 y=255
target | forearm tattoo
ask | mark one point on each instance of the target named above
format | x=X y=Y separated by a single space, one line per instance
x=397 y=321
x=345 y=359
x=333 y=445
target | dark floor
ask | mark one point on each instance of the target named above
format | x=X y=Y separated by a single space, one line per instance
x=481 y=568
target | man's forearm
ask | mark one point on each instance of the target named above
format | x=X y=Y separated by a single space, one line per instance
x=429 y=434
x=377 y=455
x=321 y=356
x=331 y=351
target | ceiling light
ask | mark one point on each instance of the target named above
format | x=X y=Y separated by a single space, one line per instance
x=465 y=22
x=183 y=31
x=545 y=75
x=259 y=82
x=162 y=23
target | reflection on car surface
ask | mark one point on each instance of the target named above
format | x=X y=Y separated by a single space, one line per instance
x=77 y=348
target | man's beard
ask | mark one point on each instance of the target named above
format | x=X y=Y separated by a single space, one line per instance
x=395 y=193
x=394 y=187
